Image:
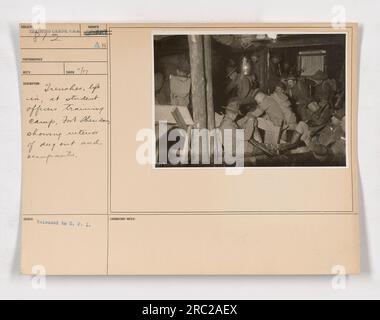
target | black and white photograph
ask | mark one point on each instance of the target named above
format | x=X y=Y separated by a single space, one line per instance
x=252 y=100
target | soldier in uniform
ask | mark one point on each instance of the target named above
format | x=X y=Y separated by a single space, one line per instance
x=285 y=104
x=299 y=95
x=247 y=83
x=333 y=136
x=324 y=88
x=229 y=123
x=258 y=70
x=233 y=77
x=274 y=72
x=317 y=117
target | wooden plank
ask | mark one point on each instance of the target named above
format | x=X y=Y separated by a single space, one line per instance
x=164 y=113
x=209 y=82
x=179 y=119
x=198 y=88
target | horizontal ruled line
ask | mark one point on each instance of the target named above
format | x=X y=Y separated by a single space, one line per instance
x=63 y=48
x=213 y=213
x=59 y=36
x=23 y=61
x=63 y=214
x=278 y=213
x=64 y=74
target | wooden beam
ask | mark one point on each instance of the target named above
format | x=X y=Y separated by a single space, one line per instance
x=209 y=83
x=307 y=42
x=198 y=89
x=267 y=63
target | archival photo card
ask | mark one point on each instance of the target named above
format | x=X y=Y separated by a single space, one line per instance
x=252 y=100
x=189 y=149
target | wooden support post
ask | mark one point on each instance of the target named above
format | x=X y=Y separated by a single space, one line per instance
x=198 y=88
x=209 y=83
x=209 y=91
x=267 y=60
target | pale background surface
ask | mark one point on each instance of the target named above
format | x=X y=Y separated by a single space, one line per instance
x=14 y=286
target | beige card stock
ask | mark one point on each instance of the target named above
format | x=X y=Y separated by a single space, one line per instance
x=90 y=208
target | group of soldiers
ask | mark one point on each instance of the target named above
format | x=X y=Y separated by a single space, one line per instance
x=307 y=115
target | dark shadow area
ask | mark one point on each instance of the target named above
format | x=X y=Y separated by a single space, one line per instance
x=365 y=250
x=14 y=31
